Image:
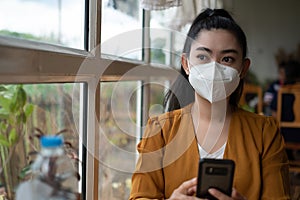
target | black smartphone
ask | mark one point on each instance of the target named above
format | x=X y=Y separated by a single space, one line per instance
x=215 y=173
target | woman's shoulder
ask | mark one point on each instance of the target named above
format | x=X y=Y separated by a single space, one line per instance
x=255 y=118
x=167 y=124
x=172 y=115
x=257 y=128
x=171 y=119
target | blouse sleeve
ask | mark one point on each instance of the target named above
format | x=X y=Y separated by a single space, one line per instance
x=147 y=180
x=275 y=168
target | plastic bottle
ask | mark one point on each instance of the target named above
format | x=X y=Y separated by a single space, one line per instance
x=50 y=170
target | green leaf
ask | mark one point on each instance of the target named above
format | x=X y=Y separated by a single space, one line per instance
x=28 y=110
x=3 y=127
x=4 y=143
x=12 y=137
x=2 y=88
x=21 y=97
x=2 y=137
x=4 y=103
x=3 y=116
x=11 y=120
x=13 y=102
x=24 y=118
x=21 y=118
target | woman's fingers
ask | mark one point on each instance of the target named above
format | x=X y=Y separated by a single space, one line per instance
x=187 y=186
x=219 y=195
x=192 y=190
x=185 y=190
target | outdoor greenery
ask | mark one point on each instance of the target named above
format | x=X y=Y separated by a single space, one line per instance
x=14 y=113
x=50 y=39
x=25 y=109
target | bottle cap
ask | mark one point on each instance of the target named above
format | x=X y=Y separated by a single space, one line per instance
x=51 y=141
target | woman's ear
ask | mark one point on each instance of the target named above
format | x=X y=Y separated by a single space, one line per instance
x=184 y=63
x=246 y=65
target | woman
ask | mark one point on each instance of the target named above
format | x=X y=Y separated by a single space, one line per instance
x=204 y=121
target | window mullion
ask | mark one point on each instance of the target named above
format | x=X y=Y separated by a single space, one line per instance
x=146 y=36
x=94 y=24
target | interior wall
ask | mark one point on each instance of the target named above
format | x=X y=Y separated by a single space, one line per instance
x=269 y=25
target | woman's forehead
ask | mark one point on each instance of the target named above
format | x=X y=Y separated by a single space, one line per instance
x=216 y=40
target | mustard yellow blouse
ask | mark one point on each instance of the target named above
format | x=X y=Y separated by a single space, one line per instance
x=169 y=156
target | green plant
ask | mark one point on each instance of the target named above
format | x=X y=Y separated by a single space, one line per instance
x=14 y=112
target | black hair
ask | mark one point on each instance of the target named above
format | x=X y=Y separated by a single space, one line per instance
x=181 y=93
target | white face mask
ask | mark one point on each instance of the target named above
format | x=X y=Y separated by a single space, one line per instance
x=214 y=81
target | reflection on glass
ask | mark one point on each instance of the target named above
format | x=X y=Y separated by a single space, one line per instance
x=120 y=131
x=168 y=33
x=118 y=136
x=53 y=21
x=158 y=89
x=121 y=25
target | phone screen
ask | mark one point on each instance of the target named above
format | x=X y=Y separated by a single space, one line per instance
x=215 y=173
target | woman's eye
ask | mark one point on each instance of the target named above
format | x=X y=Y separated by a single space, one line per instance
x=201 y=57
x=228 y=60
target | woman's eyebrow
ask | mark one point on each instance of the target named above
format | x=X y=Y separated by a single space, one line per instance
x=223 y=51
x=204 y=49
x=230 y=51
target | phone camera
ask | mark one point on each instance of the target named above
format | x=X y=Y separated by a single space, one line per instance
x=216 y=170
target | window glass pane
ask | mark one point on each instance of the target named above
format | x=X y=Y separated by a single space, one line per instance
x=118 y=137
x=53 y=21
x=120 y=111
x=160 y=46
x=167 y=39
x=49 y=109
x=121 y=33
x=158 y=89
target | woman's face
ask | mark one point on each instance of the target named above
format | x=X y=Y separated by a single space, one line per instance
x=217 y=45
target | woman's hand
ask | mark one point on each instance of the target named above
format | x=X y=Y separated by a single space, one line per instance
x=188 y=188
x=221 y=196
x=185 y=190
